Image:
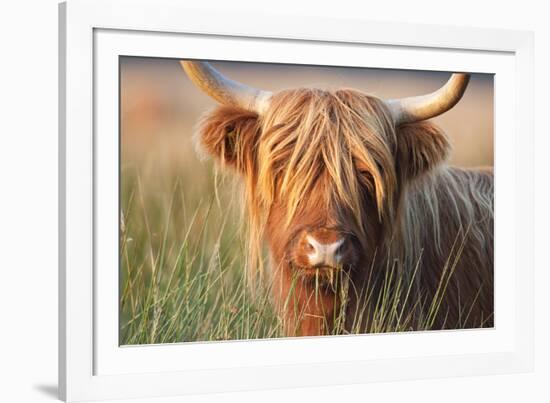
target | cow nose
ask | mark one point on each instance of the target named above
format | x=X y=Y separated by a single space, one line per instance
x=323 y=253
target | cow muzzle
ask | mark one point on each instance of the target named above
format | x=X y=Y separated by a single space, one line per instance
x=323 y=249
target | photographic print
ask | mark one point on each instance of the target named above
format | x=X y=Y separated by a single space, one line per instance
x=262 y=200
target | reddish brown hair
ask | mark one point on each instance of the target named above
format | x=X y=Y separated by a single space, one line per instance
x=341 y=149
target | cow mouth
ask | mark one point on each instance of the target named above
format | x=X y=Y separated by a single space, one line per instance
x=316 y=270
x=322 y=275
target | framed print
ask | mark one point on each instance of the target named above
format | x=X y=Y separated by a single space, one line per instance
x=243 y=208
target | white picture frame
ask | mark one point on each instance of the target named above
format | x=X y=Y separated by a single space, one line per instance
x=94 y=33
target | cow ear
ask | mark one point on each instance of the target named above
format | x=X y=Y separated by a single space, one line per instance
x=421 y=147
x=229 y=135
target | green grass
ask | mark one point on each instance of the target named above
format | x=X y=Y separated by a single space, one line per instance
x=182 y=260
x=182 y=273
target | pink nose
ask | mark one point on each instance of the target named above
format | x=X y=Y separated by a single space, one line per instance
x=324 y=248
x=322 y=254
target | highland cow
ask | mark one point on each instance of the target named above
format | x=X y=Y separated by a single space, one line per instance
x=344 y=188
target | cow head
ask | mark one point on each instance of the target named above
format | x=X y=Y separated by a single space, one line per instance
x=324 y=170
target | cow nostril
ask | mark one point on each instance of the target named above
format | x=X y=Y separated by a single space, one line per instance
x=340 y=248
x=310 y=247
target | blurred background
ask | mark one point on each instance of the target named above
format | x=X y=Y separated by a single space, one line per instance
x=160 y=106
x=183 y=249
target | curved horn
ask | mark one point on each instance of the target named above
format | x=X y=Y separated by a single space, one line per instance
x=225 y=90
x=415 y=109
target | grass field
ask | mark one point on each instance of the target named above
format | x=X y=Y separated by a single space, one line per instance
x=182 y=260
x=182 y=268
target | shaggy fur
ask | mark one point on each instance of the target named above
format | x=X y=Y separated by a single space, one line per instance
x=333 y=161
